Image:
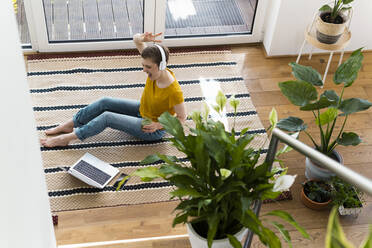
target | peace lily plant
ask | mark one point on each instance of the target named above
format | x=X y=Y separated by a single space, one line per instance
x=223 y=178
x=327 y=107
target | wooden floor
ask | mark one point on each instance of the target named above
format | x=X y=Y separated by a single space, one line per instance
x=88 y=20
x=261 y=77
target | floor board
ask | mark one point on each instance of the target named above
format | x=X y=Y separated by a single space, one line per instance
x=261 y=76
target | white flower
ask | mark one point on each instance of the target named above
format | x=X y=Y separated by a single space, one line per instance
x=283 y=183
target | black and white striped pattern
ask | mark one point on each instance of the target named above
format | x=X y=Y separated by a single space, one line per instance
x=60 y=87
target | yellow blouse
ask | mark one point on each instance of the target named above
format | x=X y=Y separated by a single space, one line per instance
x=155 y=100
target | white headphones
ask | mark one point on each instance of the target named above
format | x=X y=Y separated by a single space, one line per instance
x=163 y=62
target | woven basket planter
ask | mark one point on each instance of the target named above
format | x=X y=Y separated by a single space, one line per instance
x=328 y=33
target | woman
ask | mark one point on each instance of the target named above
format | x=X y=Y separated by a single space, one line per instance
x=161 y=93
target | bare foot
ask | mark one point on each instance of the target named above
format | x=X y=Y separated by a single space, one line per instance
x=60 y=140
x=67 y=127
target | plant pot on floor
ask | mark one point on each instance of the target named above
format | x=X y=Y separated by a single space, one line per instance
x=315 y=171
x=198 y=241
x=329 y=33
x=349 y=211
x=321 y=201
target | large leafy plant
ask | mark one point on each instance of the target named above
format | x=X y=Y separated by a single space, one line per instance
x=223 y=178
x=338 y=7
x=327 y=107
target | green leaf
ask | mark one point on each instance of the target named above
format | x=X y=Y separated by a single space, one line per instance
x=287 y=217
x=234 y=241
x=307 y=74
x=335 y=235
x=150 y=159
x=185 y=192
x=327 y=116
x=353 y=105
x=299 y=93
x=202 y=204
x=196 y=117
x=148 y=174
x=345 y=8
x=176 y=170
x=347 y=72
x=349 y=139
x=325 y=8
x=367 y=243
x=347 y=1
x=273 y=117
x=332 y=96
x=283 y=231
x=172 y=125
x=244 y=131
x=251 y=221
x=292 y=124
x=122 y=182
x=221 y=100
x=213 y=221
x=234 y=103
x=323 y=102
x=225 y=173
x=206 y=111
x=180 y=219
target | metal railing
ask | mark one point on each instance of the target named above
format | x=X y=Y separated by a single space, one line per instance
x=350 y=176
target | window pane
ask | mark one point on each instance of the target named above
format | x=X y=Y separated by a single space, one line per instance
x=209 y=17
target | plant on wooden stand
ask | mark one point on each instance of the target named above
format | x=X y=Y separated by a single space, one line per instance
x=330 y=23
x=334 y=107
x=217 y=189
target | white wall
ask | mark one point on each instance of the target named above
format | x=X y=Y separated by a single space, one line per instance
x=25 y=219
x=286 y=21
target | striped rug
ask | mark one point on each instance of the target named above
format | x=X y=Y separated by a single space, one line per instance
x=61 y=86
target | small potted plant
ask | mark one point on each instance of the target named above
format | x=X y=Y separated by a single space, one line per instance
x=327 y=108
x=346 y=197
x=316 y=194
x=331 y=21
x=222 y=180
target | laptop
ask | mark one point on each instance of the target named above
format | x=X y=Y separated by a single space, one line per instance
x=93 y=171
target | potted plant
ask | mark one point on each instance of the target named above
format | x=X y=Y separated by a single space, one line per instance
x=316 y=194
x=331 y=21
x=222 y=180
x=346 y=197
x=327 y=108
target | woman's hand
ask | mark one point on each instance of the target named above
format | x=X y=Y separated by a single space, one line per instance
x=148 y=37
x=150 y=128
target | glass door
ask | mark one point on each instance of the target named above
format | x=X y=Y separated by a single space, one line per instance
x=76 y=25
x=210 y=22
x=82 y=25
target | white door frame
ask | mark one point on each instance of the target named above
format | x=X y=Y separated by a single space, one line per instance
x=39 y=35
x=256 y=36
x=154 y=22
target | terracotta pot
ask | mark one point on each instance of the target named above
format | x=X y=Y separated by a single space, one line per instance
x=313 y=204
x=198 y=241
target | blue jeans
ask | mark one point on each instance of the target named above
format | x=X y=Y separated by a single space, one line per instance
x=119 y=114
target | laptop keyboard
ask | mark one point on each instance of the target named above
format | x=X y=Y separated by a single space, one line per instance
x=92 y=172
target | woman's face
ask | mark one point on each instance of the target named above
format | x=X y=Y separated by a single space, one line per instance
x=151 y=68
